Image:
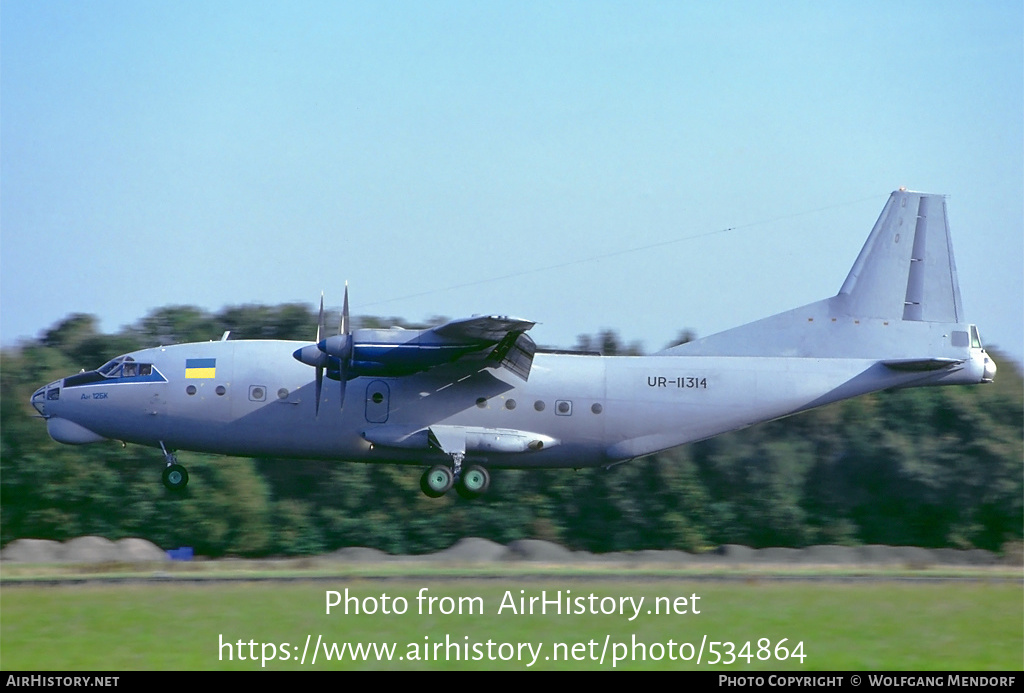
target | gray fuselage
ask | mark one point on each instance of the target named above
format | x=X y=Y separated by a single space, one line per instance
x=584 y=410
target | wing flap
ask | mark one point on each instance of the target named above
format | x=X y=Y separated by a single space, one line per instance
x=515 y=352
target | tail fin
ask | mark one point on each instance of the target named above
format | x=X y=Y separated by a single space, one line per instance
x=901 y=299
x=906 y=270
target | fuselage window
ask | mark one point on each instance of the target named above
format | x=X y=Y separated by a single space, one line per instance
x=563 y=407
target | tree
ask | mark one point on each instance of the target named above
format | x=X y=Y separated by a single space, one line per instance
x=931 y=467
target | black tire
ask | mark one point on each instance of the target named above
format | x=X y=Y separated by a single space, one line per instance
x=474 y=482
x=175 y=477
x=437 y=481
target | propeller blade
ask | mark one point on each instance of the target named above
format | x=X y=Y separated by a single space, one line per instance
x=319 y=368
x=320 y=320
x=331 y=354
x=345 y=329
x=319 y=387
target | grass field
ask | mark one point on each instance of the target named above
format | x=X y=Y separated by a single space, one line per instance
x=842 y=625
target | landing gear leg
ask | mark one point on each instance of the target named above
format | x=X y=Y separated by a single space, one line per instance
x=175 y=476
x=457 y=458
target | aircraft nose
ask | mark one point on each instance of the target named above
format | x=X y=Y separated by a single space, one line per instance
x=38 y=401
x=46 y=395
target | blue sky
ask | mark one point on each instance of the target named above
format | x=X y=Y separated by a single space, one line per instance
x=566 y=162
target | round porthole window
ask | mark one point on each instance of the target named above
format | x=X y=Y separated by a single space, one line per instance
x=282 y=393
x=221 y=390
x=539 y=405
x=510 y=404
x=481 y=402
x=597 y=408
x=190 y=390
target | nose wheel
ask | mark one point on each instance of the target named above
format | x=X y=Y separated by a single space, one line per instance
x=175 y=477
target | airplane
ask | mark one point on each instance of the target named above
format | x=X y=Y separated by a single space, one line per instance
x=477 y=394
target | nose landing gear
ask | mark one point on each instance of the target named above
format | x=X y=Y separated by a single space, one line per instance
x=175 y=477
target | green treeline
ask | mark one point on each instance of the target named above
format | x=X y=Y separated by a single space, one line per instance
x=933 y=467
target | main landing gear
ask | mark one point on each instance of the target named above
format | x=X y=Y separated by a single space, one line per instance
x=469 y=483
x=175 y=476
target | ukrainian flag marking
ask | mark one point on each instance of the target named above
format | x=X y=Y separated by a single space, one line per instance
x=200 y=368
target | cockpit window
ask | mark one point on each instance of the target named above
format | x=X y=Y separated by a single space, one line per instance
x=110 y=368
x=121 y=369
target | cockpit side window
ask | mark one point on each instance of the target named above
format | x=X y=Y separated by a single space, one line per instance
x=110 y=368
x=123 y=369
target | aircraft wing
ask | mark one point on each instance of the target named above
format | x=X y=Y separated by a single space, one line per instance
x=499 y=341
x=482 y=328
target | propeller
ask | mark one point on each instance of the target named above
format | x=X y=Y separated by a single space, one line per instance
x=339 y=348
x=331 y=353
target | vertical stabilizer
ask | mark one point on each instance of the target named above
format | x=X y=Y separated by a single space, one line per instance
x=906 y=270
x=901 y=299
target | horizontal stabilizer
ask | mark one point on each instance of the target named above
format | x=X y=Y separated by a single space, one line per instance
x=935 y=364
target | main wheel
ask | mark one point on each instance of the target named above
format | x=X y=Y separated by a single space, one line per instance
x=175 y=477
x=436 y=481
x=474 y=482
